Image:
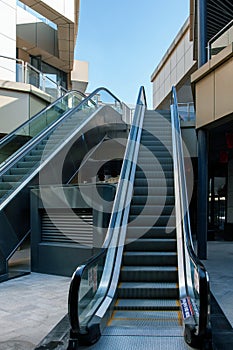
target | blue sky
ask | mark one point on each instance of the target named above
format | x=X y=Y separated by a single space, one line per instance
x=124 y=40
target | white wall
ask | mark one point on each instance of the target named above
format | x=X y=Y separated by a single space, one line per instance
x=7 y=38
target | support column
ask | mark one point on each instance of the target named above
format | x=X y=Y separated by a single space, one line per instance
x=202 y=31
x=202 y=195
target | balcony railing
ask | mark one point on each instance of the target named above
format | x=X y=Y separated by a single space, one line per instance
x=221 y=40
x=186 y=111
x=26 y=73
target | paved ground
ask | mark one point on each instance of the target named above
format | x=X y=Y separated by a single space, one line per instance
x=30 y=307
x=220 y=268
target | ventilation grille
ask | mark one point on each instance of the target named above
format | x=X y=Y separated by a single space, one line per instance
x=73 y=227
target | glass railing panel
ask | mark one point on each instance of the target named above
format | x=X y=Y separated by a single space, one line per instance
x=37 y=124
x=90 y=295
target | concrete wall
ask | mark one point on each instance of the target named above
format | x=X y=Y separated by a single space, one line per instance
x=7 y=38
x=174 y=67
x=213 y=84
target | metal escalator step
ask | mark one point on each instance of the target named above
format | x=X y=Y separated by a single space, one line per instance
x=153 y=159
x=153 y=200
x=25 y=164
x=151 y=174
x=154 y=182
x=36 y=152
x=150 y=244
x=147 y=304
x=3 y=192
x=149 y=258
x=162 y=190
x=160 y=209
x=155 y=167
x=158 y=320
x=6 y=185
x=149 y=274
x=11 y=178
x=148 y=290
x=31 y=158
x=150 y=220
x=18 y=171
x=151 y=232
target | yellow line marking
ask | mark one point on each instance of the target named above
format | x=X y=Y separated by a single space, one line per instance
x=111 y=319
x=180 y=320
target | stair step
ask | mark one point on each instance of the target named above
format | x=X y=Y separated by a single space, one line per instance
x=154 y=182
x=149 y=258
x=18 y=171
x=159 y=322
x=3 y=192
x=150 y=244
x=25 y=164
x=136 y=232
x=148 y=290
x=161 y=190
x=153 y=200
x=152 y=175
x=147 y=304
x=148 y=158
x=148 y=220
x=149 y=274
x=155 y=166
x=152 y=210
x=31 y=158
x=11 y=178
x=7 y=185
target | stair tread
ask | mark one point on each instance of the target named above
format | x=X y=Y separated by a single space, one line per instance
x=147 y=303
x=148 y=253
x=149 y=268
x=147 y=285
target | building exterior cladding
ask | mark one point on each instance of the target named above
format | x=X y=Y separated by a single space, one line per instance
x=176 y=64
x=200 y=64
x=37 y=65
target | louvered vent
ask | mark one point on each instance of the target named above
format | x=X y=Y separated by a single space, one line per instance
x=71 y=227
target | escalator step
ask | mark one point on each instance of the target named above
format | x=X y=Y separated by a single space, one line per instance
x=152 y=210
x=25 y=164
x=18 y=171
x=151 y=232
x=154 y=166
x=151 y=174
x=149 y=274
x=148 y=290
x=154 y=182
x=11 y=178
x=150 y=244
x=146 y=220
x=150 y=158
x=153 y=200
x=150 y=258
x=147 y=304
x=31 y=158
x=154 y=191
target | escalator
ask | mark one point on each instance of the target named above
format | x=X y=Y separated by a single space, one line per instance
x=146 y=288
x=48 y=150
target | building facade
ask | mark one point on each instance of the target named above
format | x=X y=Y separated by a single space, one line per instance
x=200 y=64
x=37 y=56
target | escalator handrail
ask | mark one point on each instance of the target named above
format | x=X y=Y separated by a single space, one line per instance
x=187 y=236
x=29 y=145
x=77 y=276
x=37 y=115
